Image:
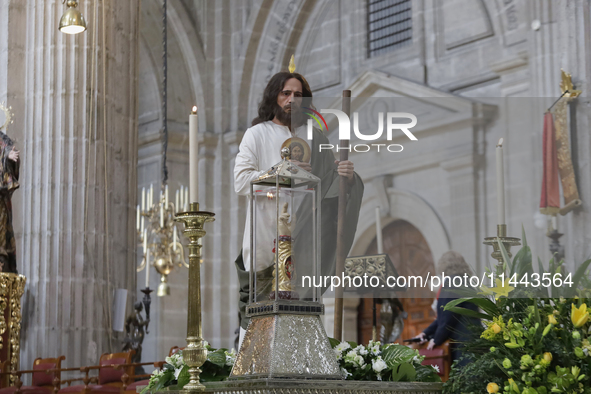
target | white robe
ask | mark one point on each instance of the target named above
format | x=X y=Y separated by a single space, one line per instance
x=260 y=149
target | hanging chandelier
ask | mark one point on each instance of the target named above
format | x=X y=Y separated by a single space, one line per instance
x=158 y=234
x=157 y=231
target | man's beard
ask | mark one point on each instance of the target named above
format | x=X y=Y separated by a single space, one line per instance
x=289 y=116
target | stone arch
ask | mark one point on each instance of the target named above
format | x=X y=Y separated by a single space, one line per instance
x=185 y=60
x=403 y=206
x=270 y=52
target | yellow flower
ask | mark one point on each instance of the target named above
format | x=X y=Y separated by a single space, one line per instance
x=579 y=316
x=548 y=356
x=492 y=388
x=496 y=328
x=552 y=320
x=503 y=289
x=513 y=386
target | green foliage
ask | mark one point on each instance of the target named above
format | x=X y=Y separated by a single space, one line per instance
x=534 y=340
x=375 y=361
x=175 y=373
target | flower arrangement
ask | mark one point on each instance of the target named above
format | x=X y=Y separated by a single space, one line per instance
x=375 y=361
x=175 y=373
x=535 y=340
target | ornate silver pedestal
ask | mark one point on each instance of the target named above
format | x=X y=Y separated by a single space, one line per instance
x=285 y=339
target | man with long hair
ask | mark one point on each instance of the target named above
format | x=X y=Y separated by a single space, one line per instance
x=279 y=119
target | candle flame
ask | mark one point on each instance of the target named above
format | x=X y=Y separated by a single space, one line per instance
x=269 y=195
x=500 y=144
x=194 y=110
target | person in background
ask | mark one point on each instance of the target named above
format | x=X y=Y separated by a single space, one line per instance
x=450 y=325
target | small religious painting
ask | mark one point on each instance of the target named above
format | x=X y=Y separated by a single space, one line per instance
x=299 y=148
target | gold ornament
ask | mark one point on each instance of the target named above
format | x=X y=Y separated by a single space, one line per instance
x=292 y=64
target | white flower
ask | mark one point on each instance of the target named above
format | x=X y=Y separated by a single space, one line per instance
x=361 y=350
x=341 y=347
x=345 y=373
x=230 y=357
x=435 y=367
x=378 y=365
x=177 y=372
x=355 y=359
x=374 y=348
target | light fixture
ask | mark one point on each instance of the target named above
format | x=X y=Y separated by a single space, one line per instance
x=72 y=21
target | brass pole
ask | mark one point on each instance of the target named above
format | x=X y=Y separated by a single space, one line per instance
x=195 y=353
x=341 y=254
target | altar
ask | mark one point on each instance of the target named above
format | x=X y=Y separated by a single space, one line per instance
x=293 y=386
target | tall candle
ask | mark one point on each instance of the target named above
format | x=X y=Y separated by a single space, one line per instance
x=138 y=214
x=142 y=226
x=182 y=194
x=166 y=197
x=176 y=201
x=187 y=199
x=148 y=269
x=143 y=198
x=379 y=240
x=500 y=184
x=161 y=215
x=151 y=196
x=175 y=239
x=193 y=155
x=145 y=241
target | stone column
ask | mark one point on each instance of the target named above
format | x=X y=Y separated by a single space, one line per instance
x=75 y=99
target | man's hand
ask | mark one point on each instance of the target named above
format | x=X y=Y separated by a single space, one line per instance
x=303 y=165
x=345 y=168
x=13 y=155
x=431 y=345
x=422 y=337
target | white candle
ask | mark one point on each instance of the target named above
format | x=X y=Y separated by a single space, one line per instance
x=193 y=155
x=145 y=242
x=175 y=239
x=161 y=215
x=151 y=196
x=379 y=239
x=187 y=199
x=500 y=184
x=148 y=269
x=143 y=198
x=166 y=197
x=138 y=213
x=176 y=201
x=142 y=226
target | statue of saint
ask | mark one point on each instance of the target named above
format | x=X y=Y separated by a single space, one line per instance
x=135 y=325
x=9 y=166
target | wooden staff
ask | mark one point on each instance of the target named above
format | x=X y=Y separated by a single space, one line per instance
x=341 y=255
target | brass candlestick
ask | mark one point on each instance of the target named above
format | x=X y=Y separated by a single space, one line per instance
x=195 y=353
x=507 y=242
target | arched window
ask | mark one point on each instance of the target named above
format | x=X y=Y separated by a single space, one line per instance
x=389 y=25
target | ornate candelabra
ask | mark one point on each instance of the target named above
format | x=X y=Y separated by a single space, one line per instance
x=158 y=235
x=507 y=242
x=195 y=353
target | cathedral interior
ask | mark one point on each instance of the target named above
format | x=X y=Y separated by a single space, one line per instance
x=101 y=120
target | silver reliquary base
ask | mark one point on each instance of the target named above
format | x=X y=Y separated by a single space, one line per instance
x=286 y=345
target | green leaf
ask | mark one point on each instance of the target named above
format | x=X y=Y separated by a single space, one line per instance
x=506 y=260
x=426 y=373
x=334 y=342
x=184 y=377
x=468 y=312
x=404 y=372
x=522 y=262
x=542 y=289
x=218 y=358
x=393 y=354
x=579 y=273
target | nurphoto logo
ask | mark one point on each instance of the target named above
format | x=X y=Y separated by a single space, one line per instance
x=402 y=121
